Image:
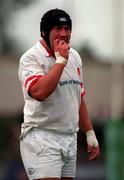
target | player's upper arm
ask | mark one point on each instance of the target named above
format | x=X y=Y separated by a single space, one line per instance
x=29 y=71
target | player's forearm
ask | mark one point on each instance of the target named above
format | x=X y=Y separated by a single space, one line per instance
x=47 y=84
x=84 y=121
x=86 y=126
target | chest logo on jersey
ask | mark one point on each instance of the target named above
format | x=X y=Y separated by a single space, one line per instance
x=66 y=82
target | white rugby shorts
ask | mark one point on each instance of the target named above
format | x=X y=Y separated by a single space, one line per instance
x=49 y=154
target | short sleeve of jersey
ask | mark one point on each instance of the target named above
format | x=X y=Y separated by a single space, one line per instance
x=29 y=71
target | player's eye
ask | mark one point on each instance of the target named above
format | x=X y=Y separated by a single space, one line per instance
x=58 y=27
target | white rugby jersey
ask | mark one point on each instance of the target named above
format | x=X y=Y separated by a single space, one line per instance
x=60 y=111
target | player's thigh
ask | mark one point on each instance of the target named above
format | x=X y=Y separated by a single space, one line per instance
x=40 y=160
x=70 y=159
x=69 y=169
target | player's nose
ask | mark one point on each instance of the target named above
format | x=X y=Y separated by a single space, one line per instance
x=63 y=32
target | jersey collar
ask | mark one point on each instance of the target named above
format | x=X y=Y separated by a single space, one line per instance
x=47 y=52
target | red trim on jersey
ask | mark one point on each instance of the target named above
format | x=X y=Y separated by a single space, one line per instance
x=33 y=82
x=81 y=84
x=50 y=51
x=31 y=78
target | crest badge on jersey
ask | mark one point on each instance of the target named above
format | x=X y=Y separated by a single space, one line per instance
x=78 y=71
x=26 y=73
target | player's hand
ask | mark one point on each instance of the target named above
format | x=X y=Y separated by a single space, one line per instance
x=94 y=152
x=61 y=47
x=93 y=146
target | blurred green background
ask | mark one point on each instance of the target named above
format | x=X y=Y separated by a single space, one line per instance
x=98 y=35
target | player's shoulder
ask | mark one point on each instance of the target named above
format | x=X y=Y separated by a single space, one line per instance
x=75 y=54
x=34 y=52
x=30 y=53
x=74 y=51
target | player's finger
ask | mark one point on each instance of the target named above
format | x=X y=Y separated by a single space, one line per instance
x=94 y=153
x=89 y=148
x=55 y=43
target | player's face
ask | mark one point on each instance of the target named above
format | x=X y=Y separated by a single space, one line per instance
x=60 y=32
